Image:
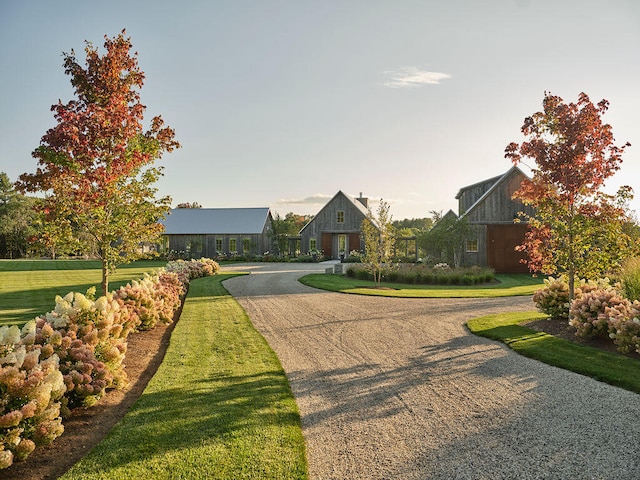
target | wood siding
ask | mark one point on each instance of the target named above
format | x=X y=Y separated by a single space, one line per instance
x=471 y=194
x=490 y=209
x=499 y=206
x=197 y=246
x=325 y=228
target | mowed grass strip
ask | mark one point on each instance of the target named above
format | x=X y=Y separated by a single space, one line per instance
x=28 y=288
x=219 y=407
x=508 y=285
x=603 y=366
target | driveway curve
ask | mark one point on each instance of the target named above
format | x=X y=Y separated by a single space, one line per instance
x=398 y=388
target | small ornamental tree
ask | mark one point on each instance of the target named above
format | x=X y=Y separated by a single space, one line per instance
x=445 y=241
x=379 y=240
x=577 y=230
x=96 y=165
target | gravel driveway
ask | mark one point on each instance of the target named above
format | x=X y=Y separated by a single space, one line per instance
x=398 y=388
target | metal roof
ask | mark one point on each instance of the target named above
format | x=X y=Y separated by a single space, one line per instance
x=203 y=221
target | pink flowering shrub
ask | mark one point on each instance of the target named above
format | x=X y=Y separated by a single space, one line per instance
x=187 y=271
x=590 y=312
x=139 y=298
x=604 y=312
x=624 y=322
x=553 y=298
x=31 y=387
x=73 y=354
x=90 y=339
x=171 y=291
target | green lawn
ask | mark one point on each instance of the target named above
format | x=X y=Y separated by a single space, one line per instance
x=509 y=285
x=606 y=367
x=219 y=407
x=28 y=288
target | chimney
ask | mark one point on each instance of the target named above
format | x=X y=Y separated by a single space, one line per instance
x=363 y=201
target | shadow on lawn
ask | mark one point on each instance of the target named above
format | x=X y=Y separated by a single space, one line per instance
x=206 y=413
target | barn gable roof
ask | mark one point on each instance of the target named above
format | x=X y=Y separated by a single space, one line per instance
x=496 y=183
x=203 y=221
x=356 y=203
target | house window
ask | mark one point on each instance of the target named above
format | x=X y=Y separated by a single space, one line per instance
x=313 y=244
x=196 y=245
x=233 y=248
x=218 y=245
x=340 y=216
x=472 y=246
x=246 y=245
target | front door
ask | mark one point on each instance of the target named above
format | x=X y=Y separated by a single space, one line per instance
x=501 y=248
x=325 y=244
x=342 y=245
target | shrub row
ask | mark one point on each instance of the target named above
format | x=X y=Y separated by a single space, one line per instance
x=72 y=355
x=553 y=298
x=599 y=309
x=423 y=275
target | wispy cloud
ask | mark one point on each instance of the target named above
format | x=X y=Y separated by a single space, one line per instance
x=317 y=199
x=413 y=77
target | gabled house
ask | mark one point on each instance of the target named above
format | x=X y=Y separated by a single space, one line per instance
x=491 y=211
x=212 y=232
x=335 y=229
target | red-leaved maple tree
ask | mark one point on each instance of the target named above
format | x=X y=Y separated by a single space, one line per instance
x=96 y=166
x=577 y=229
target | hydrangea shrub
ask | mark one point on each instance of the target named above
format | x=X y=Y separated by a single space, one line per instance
x=590 y=313
x=90 y=339
x=72 y=355
x=553 y=298
x=31 y=388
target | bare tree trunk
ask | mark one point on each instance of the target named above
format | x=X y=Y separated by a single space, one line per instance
x=105 y=278
x=572 y=270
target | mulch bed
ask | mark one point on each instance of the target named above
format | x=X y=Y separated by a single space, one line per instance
x=86 y=427
x=561 y=328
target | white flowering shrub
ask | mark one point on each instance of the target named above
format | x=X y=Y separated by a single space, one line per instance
x=553 y=298
x=31 y=387
x=441 y=266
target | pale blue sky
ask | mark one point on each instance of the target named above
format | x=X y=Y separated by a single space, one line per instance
x=283 y=103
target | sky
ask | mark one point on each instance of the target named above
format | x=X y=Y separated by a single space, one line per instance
x=282 y=104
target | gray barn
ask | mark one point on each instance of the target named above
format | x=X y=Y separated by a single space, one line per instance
x=489 y=207
x=213 y=232
x=336 y=229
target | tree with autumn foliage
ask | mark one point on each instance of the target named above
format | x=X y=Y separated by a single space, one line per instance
x=96 y=166
x=577 y=229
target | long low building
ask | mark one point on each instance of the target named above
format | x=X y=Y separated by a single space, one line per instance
x=212 y=232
